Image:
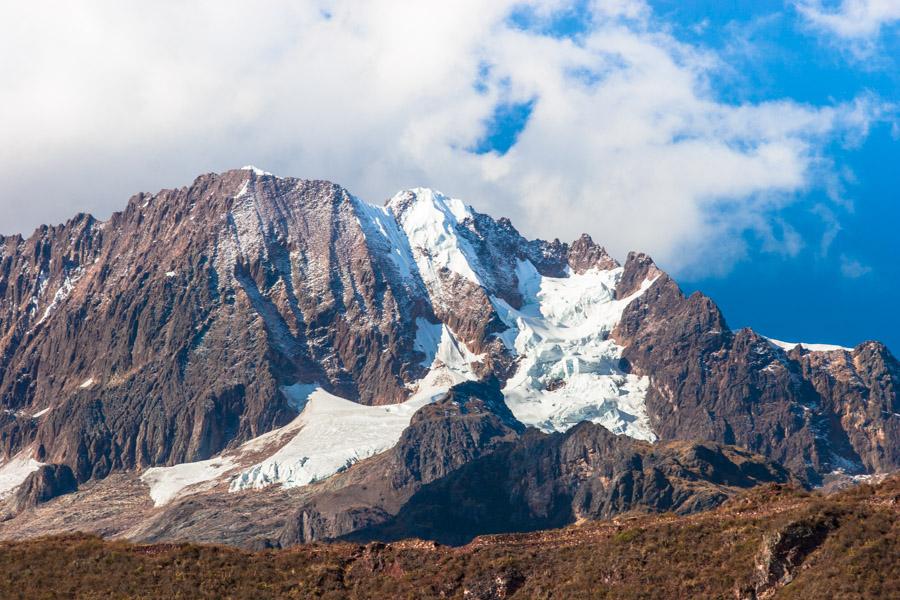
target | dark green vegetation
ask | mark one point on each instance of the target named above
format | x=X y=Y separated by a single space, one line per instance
x=775 y=541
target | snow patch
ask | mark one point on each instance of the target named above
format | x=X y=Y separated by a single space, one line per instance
x=166 y=483
x=86 y=383
x=569 y=368
x=62 y=293
x=332 y=434
x=41 y=413
x=170 y=273
x=256 y=170
x=15 y=471
x=787 y=346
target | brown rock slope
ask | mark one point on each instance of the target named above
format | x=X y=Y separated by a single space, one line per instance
x=163 y=335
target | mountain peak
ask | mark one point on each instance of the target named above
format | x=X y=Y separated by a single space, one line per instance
x=256 y=171
x=430 y=199
x=584 y=255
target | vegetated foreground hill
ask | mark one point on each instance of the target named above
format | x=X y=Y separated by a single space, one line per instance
x=774 y=541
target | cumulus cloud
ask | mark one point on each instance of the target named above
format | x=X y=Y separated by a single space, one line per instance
x=852 y=268
x=625 y=138
x=851 y=19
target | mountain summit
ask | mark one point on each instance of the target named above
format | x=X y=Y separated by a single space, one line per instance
x=252 y=344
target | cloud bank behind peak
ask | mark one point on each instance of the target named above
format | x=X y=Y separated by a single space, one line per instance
x=623 y=137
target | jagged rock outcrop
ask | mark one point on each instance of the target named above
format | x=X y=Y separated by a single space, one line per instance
x=48 y=482
x=545 y=481
x=858 y=392
x=784 y=550
x=736 y=387
x=469 y=422
x=584 y=255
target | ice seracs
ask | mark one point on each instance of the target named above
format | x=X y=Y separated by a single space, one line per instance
x=568 y=367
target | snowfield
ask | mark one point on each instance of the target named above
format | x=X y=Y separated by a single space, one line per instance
x=167 y=482
x=333 y=433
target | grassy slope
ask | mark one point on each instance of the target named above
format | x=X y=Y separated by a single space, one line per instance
x=710 y=555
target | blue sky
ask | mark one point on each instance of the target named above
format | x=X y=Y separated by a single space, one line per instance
x=817 y=294
x=751 y=146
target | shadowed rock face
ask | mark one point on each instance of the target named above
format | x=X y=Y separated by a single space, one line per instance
x=48 y=482
x=545 y=481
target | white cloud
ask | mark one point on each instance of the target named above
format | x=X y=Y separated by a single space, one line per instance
x=851 y=19
x=852 y=268
x=109 y=98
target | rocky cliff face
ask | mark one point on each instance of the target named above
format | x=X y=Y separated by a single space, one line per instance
x=250 y=331
x=815 y=412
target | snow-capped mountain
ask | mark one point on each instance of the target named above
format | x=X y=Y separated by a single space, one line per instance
x=249 y=338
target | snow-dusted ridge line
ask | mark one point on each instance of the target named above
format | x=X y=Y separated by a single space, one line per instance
x=382 y=230
x=787 y=346
x=256 y=170
x=429 y=222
